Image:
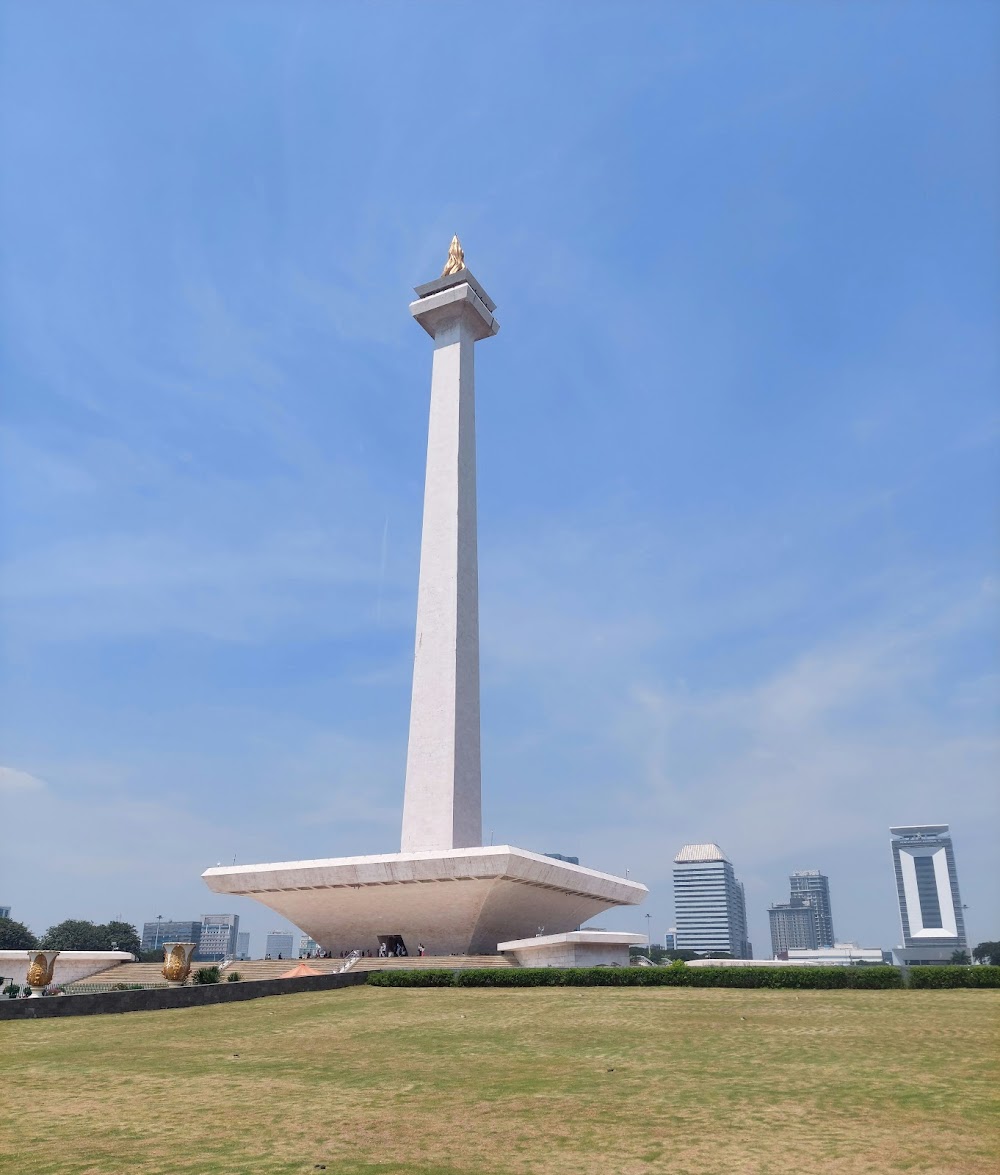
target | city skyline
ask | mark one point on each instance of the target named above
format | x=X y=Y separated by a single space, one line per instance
x=736 y=450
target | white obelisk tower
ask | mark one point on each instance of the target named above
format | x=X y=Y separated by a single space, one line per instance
x=444 y=888
x=442 y=805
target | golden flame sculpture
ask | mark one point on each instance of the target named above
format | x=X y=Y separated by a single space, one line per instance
x=456 y=258
x=40 y=967
x=177 y=961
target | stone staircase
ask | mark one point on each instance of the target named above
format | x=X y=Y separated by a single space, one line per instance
x=148 y=974
x=275 y=968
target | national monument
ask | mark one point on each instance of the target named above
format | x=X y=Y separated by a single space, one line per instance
x=444 y=888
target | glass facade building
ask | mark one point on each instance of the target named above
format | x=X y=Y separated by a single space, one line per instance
x=279 y=942
x=155 y=934
x=930 y=907
x=709 y=903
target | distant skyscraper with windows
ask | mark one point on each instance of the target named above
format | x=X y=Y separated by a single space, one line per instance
x=805 y=921
x=156 y=933
x=243 y=944
x=930 y=907
x=793 y=926
x=812 y=886
x=279 y=942
x=218 y=937
x=709 y=903
x=4 y=911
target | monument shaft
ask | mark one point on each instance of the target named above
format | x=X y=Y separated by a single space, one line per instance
x=442 y=806
x=444 y=889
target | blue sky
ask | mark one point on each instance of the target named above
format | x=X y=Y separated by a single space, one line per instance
x=737 y=436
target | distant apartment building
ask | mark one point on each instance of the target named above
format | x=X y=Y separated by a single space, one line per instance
x=805 y=921
x=793 y=927
x=709 y=903
x=4 y=911
x=930 y=907
x=670 y=939
x=243 y=944
x=809 y=885
x=218 y=937
x=279 y=943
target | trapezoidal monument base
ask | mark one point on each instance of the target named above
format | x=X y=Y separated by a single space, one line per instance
x=457 y=902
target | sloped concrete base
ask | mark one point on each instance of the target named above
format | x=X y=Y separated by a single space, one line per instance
x=459 y=902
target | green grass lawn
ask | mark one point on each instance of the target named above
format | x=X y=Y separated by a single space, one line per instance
x=490 y=1082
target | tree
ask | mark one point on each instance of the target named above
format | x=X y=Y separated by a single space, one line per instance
x=960 y=957
x=987 y=952
x=654 y=952
x=125 y=935
x=75 y=934
x=15 y=936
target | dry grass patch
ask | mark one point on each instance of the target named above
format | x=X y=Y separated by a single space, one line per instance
x=510 y=1081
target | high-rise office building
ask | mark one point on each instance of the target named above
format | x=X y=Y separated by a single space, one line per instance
x=930 y=907
x=709 y=903
x=243 y=944
x=308 y=947
x=4 y=911
x=279 y=942
x=156 y=933
x=218 y=937
x=670 y=939
x=812 y=886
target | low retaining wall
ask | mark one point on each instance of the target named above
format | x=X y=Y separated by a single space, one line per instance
x=157 y=998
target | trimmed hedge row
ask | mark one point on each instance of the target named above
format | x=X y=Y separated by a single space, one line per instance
x=769 y=977
x=411 y=978
x=954 y=976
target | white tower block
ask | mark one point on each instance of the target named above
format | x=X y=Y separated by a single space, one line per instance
x=442 y=805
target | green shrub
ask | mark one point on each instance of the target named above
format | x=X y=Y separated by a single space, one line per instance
x=233 y=977
x=954 y=976
x=517 y=977
x=207 y=975
x=411 y=978
x=816 y=978
x=12 y=990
